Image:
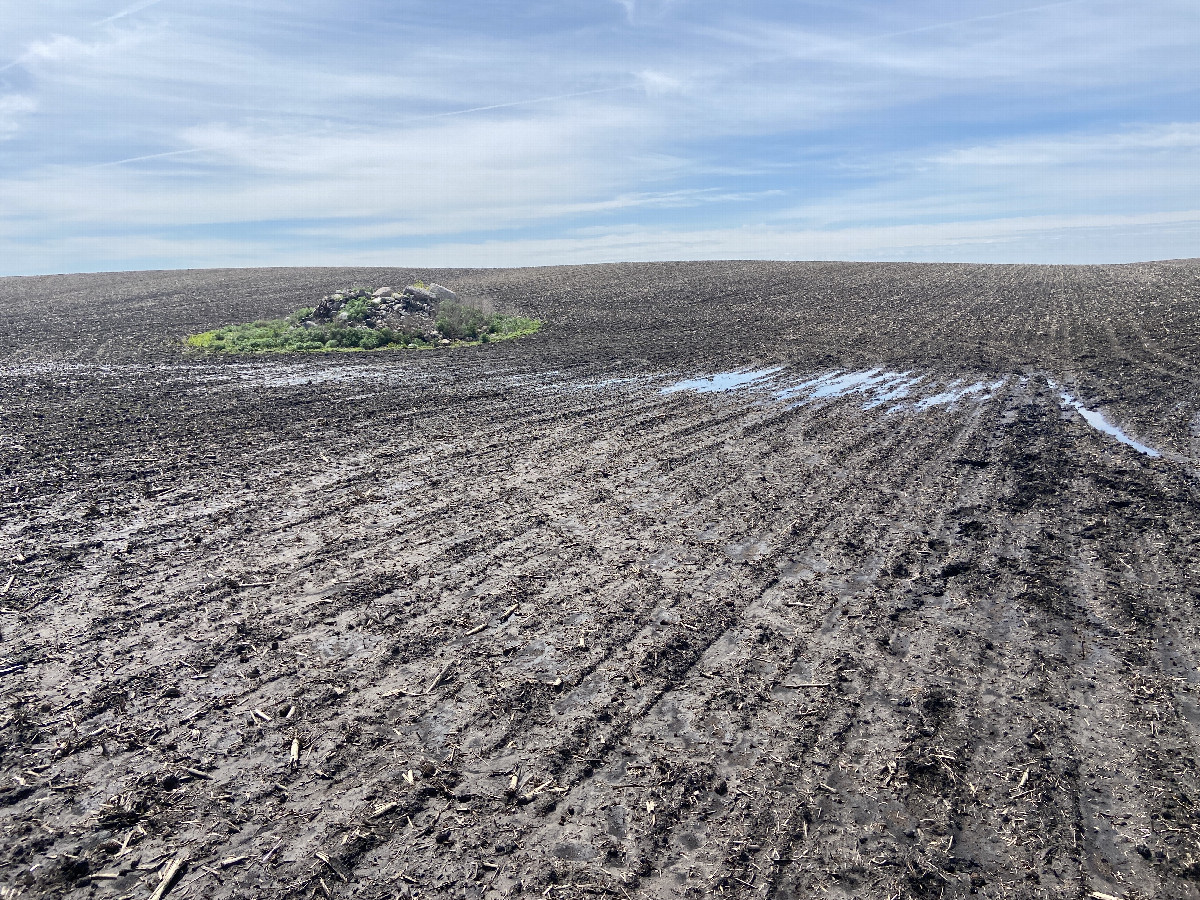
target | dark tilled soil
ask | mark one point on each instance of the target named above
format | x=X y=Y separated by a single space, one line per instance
x=512 y=621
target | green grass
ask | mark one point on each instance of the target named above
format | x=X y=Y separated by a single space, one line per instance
x=289 y=336
x=504 y=327
x=282 y=336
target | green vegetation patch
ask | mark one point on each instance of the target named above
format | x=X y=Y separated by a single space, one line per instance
x=279 y=335
x=357 y=319
x=469 y=324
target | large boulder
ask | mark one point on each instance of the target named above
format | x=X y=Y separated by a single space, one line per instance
x=383 y=292
x=442 y=293
x=421 y=294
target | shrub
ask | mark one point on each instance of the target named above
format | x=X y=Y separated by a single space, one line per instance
x=358 y=310
x=461 y=322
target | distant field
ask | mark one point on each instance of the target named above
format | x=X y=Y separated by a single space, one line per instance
x=737 y=578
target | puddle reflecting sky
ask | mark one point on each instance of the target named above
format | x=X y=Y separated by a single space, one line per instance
x=1096 y=420
x=837 y=384
x=955 y=392
x=722 y=381
x=876 y=386
x=898 y=391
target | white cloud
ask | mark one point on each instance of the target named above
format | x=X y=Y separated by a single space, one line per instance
x=1025 y=239
x=1131 y=171
x=13 y=110
x=630 y=6
x=657 y=83
x=1050 y=239
x=1073 y=149
x=59 y=56
x=58 y=47
x=640 y=11
x=441 y=175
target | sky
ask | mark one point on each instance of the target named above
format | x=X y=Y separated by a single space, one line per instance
x=174 y=134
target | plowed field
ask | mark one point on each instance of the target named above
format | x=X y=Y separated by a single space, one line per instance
x=739 y=579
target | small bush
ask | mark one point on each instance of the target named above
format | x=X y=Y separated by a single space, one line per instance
x=460 y=322
x=357 y=310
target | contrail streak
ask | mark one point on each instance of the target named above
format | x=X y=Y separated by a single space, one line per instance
x=120 y=162
x=953 y=23
x=473 y=109
x=137 y=7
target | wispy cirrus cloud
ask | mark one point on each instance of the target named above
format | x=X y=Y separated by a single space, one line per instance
x=443 y=174
x=1136 y=170
x=43 y=54
x=1130 y=145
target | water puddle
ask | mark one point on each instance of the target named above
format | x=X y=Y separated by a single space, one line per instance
x=876 y=386
x=834 y=384
x=899 y=391
x=954 y=393
x=894 y=390
x=1096 y=420
x=879 y=385
x=722 y=381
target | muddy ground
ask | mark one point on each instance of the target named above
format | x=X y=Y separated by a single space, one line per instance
x=521 y=620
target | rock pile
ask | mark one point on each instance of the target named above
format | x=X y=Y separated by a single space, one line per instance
x=411 y=310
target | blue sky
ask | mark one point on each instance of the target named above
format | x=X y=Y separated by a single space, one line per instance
x=171 y=134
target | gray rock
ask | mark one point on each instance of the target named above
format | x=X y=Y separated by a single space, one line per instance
x=419 y=293
x=442 y=293
x=383 y=292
